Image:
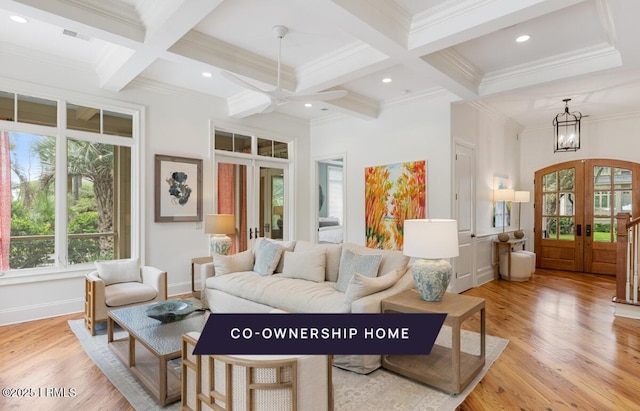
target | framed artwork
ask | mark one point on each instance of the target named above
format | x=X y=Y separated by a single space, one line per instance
x=501 y=209
x=393 y=193
x=178 y=189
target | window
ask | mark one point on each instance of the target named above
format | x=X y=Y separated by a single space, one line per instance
x=335 y=190
x=69 y=196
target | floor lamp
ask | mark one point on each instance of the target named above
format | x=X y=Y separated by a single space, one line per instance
x=520 y=197
x=504 y=195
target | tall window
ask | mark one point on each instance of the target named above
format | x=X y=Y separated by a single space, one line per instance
x=69 y=198
x=335 y=190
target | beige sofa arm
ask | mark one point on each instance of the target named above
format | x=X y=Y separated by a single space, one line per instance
x=372 y=303
x=206 y=270
x=156 y=278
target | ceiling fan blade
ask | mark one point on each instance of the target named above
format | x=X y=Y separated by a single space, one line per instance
x=238 y=81
x=322 y=96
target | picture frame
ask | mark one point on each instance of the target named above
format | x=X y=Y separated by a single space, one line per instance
x=178 y=189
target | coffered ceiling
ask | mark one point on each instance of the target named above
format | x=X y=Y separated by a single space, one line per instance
x=585 y=50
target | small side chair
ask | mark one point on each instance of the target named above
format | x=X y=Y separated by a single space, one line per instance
x=118 y=284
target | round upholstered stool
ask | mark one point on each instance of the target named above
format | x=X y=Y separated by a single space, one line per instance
x=520 y=267
x=531 y=255
x=255 y=382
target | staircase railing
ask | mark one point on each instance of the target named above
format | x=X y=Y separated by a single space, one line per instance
x=627 y=260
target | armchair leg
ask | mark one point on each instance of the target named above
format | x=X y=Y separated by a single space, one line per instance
x=89 y=307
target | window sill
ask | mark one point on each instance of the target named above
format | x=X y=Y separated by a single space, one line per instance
x=40 y=275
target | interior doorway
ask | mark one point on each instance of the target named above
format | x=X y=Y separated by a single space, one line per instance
x=575 y=207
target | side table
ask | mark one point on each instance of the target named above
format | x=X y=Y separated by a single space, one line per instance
x=194 y=262
x=446 y=368
x=509 y=246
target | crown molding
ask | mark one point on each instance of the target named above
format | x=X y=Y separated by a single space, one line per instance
x=432 y=93
x=607 y=22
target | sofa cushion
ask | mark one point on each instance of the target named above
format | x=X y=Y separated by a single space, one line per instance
x=305 y=265
x=361 y=286
x=119 y=271
x=286 y=246
x=333 y=253
x=267 y=257
x=226 y=264
x=391 y=259
x=289 y=294
x=117 y=295
x=351 y=263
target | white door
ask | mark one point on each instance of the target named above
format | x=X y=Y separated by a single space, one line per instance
x=463 y=265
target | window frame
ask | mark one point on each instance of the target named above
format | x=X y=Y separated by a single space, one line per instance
x=61 y=268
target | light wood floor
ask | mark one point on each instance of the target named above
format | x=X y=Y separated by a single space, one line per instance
x=567 y=351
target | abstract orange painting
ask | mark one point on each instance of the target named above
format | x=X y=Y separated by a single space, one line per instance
x=393 y=193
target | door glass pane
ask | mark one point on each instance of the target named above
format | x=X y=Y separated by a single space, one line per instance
x=623 y=202
x=550 y=203
x=567 y=228
x=549 y=228
x=567 y=179
x=271 y=202
x=549 y=182
x=567 y=202
x=232 y=199
x=602 y=203
x=601 y=178
x=602 y=230
x=277 y=205
x=622 y=179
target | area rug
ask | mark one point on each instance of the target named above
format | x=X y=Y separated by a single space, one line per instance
x=377 y=391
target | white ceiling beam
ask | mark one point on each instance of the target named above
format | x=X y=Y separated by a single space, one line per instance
x=165 y=28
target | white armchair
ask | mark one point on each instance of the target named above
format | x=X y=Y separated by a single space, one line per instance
x=120 y=283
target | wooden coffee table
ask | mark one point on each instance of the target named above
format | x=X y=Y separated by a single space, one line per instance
x=446 y=368
x=150 y=346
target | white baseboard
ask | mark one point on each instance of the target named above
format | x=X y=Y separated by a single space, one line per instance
x=484 y=275
x=179 y=288
x=627 y=311
x=39 y=311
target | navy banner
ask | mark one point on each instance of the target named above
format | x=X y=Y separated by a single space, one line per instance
x=319 y=334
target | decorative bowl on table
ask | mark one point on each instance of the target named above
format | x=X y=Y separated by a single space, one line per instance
x=171 y=310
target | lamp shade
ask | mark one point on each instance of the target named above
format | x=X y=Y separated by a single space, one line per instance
x=521 y=197
x=219 y=224
x=503 y=194
x=431 y=238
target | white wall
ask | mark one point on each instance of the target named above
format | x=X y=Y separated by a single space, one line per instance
x=418 y=129
x=176 y=124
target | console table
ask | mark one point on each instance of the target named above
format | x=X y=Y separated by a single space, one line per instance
x=446 y=368
x=498 y=246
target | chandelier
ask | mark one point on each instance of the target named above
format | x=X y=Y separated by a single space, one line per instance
x=566 y=126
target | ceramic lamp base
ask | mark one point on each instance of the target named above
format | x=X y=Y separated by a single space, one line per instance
x=431 y=278
x=219 y=244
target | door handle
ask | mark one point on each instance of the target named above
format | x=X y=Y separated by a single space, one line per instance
x=579 y=230
x=251 y=234
x=588 y=230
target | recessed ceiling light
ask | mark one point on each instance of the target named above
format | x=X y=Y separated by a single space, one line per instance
x=387 y=80
x=308 y=105
x=523 y=38
x=19 y=19
x=206 y=74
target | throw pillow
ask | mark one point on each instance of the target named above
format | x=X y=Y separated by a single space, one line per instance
x=361 y=286
x=227 y=264
x=305 y=265
x=286 y=246
x=267 y=257
x=119 y=271
x=351 y=263
x=391 y=259
x=333 y=253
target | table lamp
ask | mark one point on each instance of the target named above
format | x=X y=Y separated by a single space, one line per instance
x=218 y=226
x=504 y=195
x=520 y=197
x=431 y=241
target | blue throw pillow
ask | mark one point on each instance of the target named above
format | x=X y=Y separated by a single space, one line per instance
x=351 y=263
x=267 y=258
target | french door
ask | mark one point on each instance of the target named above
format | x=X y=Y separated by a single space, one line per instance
x=256 y=193
x=575 y=207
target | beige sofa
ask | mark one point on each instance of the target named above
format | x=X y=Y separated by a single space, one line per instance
x=307 y=278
